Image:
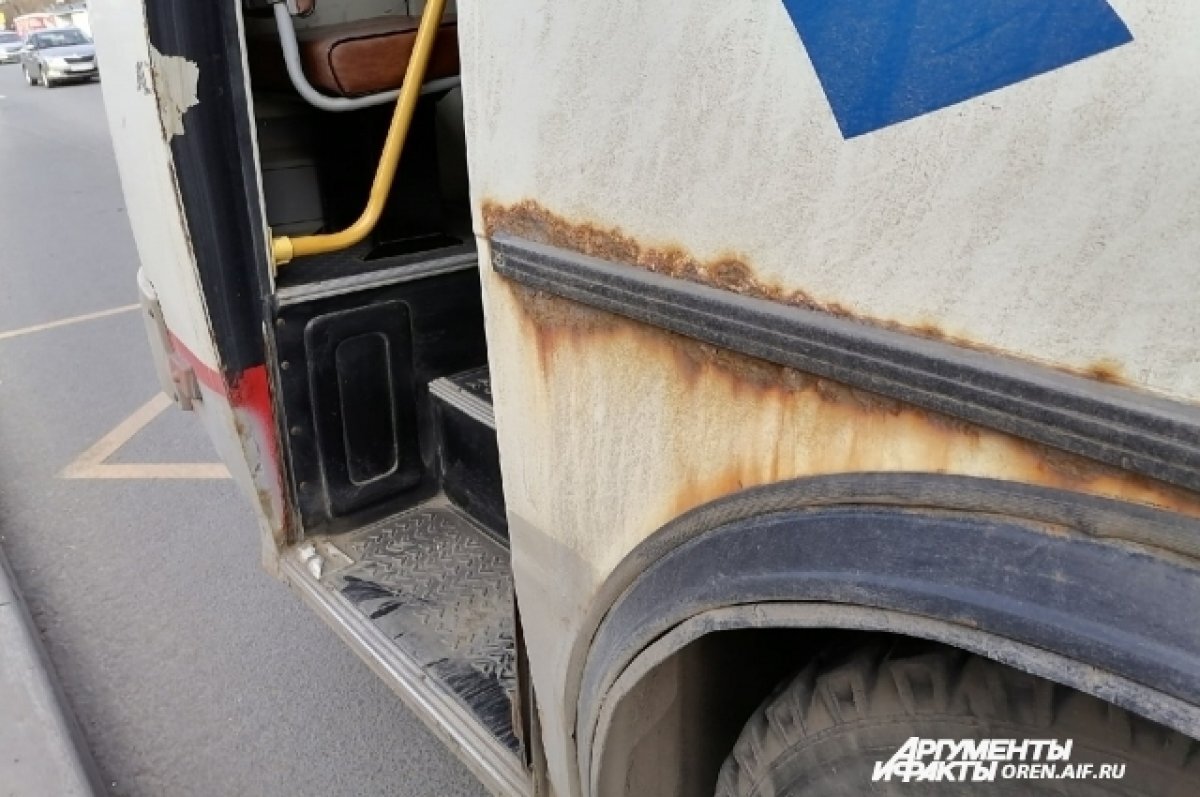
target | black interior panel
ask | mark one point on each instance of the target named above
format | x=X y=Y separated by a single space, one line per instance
x=470 y=454
x=354 y=370
x=364 y=415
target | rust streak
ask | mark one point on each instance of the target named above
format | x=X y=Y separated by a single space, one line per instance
x=1106 y=371
x=763 y=422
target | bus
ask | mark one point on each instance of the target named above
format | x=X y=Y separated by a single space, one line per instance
x=708 y=398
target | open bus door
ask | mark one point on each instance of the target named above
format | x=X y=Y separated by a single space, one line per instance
x=192 y=211
x=346 y=387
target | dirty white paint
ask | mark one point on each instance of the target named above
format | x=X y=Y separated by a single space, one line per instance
x=608 y=430
x=137 y=128
x=175 y=81
x=1056 y=220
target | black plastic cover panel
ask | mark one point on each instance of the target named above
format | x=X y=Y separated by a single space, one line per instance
x=364 y=410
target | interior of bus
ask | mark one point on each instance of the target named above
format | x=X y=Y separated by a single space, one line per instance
x=381 y=356
x=325 y=76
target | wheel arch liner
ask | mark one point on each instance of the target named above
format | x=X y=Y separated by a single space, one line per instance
x=1040 y=569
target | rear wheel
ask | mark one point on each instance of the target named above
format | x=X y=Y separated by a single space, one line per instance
x=46 y=81
x=822 y=733
x=28 y=77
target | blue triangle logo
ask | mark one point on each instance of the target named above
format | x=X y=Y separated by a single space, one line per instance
x=882 y=62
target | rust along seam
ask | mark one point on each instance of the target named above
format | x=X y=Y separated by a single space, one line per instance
x=1116 y=425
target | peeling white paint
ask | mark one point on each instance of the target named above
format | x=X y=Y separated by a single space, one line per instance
x=134 y=73
x=176 y=80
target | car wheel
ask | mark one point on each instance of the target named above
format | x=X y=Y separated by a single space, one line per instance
x=831 y=730
x=46 y=81
x=28 y=77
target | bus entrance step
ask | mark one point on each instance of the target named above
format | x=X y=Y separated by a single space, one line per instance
x=470 y=459
x=441 y=588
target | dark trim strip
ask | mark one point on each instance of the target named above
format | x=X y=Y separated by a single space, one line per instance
x=1121 y=426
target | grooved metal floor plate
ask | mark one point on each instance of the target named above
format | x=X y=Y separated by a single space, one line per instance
x=442 y=589
x=477 y=381
x=469 y=392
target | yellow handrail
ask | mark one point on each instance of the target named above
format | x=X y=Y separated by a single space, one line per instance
x=283 y=248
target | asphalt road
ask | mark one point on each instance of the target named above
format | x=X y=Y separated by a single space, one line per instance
x=191 y=671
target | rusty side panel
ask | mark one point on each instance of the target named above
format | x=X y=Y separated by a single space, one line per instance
x=652 y=424
x=610 y=428
x=730 y=271
x=849 y=429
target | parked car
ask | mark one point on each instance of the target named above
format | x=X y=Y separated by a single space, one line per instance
x=10 y=47
x=58 y=55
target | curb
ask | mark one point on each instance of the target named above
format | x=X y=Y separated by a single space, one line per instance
x=41 y=746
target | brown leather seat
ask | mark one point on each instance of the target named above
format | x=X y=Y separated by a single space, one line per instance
x=371 y=55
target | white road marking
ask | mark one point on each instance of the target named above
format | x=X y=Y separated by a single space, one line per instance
x=91 y=464
x=63 y=322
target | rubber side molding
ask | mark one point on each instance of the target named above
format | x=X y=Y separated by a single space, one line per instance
x=1127 y=428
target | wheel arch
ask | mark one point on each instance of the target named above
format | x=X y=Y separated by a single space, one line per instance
x=1016 y=573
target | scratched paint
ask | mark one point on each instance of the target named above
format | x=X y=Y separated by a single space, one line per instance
x=721 y=422
x=147 y=97
x=608 y=407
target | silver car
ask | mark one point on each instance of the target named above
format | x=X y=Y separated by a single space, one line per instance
x=58 y=55
x=10 y=47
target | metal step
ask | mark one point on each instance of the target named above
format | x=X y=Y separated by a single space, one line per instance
x=441 y=588
x=469 y=455
x=470 y=392
x=426 y=598
x=325 y=276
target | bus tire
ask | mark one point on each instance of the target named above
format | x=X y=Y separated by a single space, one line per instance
x=821 y=733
